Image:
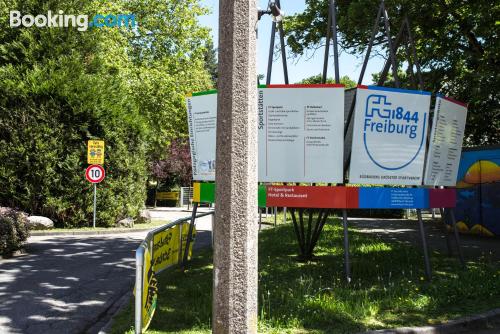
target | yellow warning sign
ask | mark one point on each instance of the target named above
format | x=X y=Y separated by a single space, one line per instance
x=95 y=152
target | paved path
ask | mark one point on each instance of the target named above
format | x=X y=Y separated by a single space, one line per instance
x=65 y=284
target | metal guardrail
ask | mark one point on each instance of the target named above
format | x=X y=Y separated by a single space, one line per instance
x=148 y=243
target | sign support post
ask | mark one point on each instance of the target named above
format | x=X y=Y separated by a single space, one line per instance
x=457 y=238
x=190 y=235
x=347 y=263
x=428 y=272
x=95 y=200
x=443 y=219
x=95 y=174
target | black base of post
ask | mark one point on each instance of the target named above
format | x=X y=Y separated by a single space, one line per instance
x=447 y=235
x=190 y=235
x=347 y=262
x=308 y=238
x=260 y=219
x=457 y=238
x=428 y=272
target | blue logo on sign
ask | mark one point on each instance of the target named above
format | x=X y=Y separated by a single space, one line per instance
x=398 y=126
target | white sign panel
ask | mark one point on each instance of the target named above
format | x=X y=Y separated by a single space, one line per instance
x=445 y=147
x=301 y=133
x=390 y=134
x=202 y=122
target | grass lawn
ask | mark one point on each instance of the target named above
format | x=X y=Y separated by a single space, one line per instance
x=388 y=288
x=153 y=224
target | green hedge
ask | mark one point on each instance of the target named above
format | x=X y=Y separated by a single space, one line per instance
x=13 y=231
x=52 y=101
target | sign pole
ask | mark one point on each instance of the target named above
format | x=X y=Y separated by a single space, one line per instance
x=190 y=235
x=95 y=198
x=457 y=238
x=347 y=261
x=428 y=271
x=95 y=174
x=443 y=220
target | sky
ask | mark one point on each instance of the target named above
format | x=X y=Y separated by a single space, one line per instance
x=303 y=67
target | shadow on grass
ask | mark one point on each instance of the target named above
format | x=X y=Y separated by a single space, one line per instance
x=387 y=290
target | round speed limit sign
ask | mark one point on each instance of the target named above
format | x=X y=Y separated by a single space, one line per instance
x=95 y=173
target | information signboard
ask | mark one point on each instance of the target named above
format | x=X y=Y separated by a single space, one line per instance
x=95 y=152
x=341 y=197
x=445 y=145
x=301 y=132
x=202 y=122
x=390 y=134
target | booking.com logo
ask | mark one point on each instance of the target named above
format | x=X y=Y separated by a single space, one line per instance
x=61 y=20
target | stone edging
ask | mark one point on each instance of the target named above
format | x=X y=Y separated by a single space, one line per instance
x=462 y=325
x=117 y=231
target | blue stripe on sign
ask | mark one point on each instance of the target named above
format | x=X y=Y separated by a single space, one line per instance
x=393 y=198
x=400 y=90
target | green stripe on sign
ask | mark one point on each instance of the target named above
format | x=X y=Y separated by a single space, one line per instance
x=207 y=193
x=207 y=92
x=262 y=196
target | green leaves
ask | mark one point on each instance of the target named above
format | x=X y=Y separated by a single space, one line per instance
x=60 y=87
x=456 y=42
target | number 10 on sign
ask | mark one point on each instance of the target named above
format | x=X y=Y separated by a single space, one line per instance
x=95 y=174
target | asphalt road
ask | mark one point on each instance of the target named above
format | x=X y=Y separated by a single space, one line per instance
x=65 y=284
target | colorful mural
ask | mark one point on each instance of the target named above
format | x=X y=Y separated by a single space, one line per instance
x=478 y=192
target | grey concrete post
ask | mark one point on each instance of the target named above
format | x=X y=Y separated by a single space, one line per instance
x=235 y=246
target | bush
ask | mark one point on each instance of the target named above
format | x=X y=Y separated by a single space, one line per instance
x=13 y=230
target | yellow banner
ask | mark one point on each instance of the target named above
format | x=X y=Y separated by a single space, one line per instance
x=166 y=248
x=163 y=196
x=149 y=291
x=95 y=152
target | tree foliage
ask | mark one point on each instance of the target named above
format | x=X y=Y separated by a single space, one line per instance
x=176 y=169
x=318 y=78
x=60 y=87
x=456 y=41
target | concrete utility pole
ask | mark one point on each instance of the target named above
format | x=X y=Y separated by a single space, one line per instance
x=235 y=232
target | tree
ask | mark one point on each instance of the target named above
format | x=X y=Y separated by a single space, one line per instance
x=211 y=63
x=317 y=79
x=456 y=41
x=175 y=170
x=60 y=87
x=169 y=55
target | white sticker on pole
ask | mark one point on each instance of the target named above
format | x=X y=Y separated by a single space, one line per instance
x=301 y=133
x=202 y=123
x=445 y=146
x=390 y=134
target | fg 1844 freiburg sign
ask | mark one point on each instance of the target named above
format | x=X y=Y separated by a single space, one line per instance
x=390 y=134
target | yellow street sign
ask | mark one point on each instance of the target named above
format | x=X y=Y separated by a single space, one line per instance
x=95 y=152
x=164 y=196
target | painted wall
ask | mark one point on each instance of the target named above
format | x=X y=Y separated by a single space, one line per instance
x=478 y=192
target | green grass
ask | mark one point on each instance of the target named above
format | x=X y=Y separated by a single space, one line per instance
x=388 y=288
x=153 y=224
